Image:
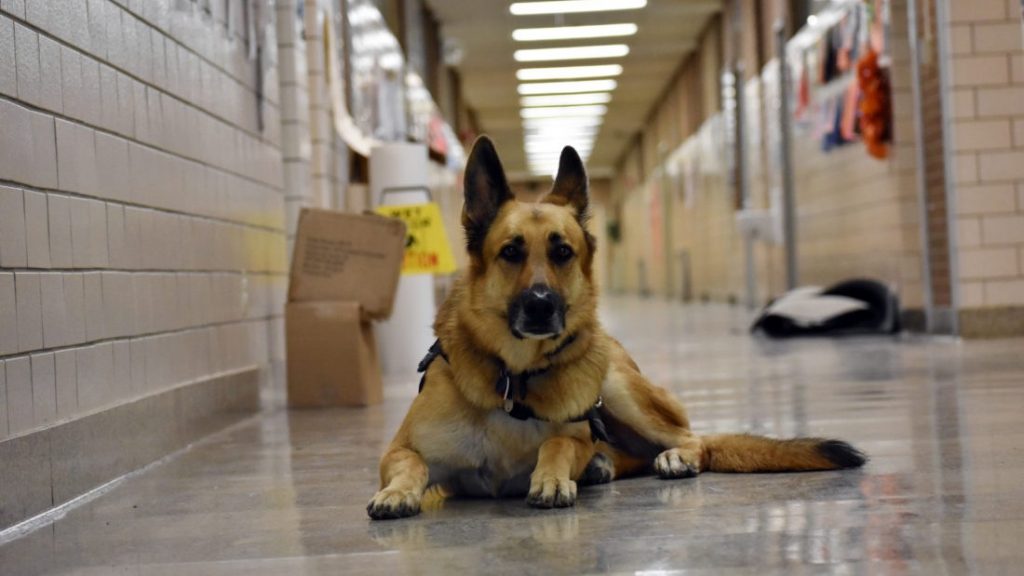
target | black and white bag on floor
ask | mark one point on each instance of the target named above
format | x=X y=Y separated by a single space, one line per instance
x=848 y=308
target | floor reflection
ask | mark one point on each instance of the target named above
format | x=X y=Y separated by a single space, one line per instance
x=286 y=493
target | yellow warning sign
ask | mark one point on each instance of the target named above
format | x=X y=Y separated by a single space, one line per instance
x=426 y=245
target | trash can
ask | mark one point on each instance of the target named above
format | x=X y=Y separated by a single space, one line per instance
x=398 y=176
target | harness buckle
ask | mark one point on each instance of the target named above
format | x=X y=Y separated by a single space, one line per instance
x=508 y=403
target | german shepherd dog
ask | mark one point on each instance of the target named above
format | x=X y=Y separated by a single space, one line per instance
x=525 y=394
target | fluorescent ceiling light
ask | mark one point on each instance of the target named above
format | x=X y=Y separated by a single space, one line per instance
x=571 y=53
x=569 y=72
x=565 y=122
x=570 y=125
x=551 y=155
x=573 y=32
x=573 y=124
x=554 y=156
x=559 y=111
x=557 y=140
x=559 y=137
x=561 y=134
x=566 y=99
x=573 y=120
x=554 y=152
x=557 y=145
x=537 y=156
x=568 y=87
x=569 y=6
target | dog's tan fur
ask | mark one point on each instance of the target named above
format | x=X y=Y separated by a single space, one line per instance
x=457 y=428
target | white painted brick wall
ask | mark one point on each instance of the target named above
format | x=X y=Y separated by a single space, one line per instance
x=142 y=209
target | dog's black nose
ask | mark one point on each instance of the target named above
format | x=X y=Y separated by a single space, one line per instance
x=538 y=307
x=539 y=303
x=537 y=311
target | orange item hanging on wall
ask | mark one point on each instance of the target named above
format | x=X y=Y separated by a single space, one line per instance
x=875 y=106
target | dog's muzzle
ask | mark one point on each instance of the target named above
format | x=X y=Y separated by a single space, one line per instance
x=537 y=312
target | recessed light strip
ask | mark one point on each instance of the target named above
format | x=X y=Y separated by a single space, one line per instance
x=571 y=53
x=554 y=153
x=567 y=87
x=542 y=144
x=573 y=32
x=560 y=135
x=573 y=6
x=564 y=111
x=577 y=123
x=568 y=72
x=555 y=148
x=566 y=99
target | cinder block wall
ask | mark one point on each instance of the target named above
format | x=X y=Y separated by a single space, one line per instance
x=987 y=137
x=867 y=226
x=142 y=240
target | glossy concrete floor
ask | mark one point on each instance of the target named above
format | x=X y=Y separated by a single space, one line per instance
x=286 y=493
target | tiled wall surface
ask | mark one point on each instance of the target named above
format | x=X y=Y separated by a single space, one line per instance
x=328 y=154
x=313 y=153
x=142 y=219
x=295 y=131
x=857 y=215
x=987 y=100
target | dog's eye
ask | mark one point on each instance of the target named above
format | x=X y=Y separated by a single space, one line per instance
x=561 y=254
x=511 y=253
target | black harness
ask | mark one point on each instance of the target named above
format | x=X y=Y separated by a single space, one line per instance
x=511 y=386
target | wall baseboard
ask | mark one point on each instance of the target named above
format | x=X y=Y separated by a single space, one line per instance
x=913 y=320
x=49 y=467
x=999 y=322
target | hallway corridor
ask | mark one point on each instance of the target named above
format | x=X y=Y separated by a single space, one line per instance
x=285 y=493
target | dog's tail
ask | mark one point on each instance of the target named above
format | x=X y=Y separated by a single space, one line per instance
x=747 y=453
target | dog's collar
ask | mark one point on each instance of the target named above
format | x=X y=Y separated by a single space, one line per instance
x=521 y=411
x=509 y=386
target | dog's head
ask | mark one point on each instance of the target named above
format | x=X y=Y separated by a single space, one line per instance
x=530 y=261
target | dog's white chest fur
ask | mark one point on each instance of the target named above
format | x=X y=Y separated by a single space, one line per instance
x=494 y=459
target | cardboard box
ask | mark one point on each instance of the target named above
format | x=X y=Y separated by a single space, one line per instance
x=332 y=356
x=344 y=274
x=347 y=257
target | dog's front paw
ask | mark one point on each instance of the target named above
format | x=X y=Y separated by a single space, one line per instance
x=551 y=492
x=675 y=463
x=392 y=503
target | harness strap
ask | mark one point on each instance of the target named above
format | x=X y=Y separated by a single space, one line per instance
x=509 y=385
x=434 y=351
x=592 y=416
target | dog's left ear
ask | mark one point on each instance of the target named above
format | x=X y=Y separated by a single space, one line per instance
x=571 y=188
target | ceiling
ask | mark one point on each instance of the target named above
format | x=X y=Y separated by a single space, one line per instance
x=667 y=32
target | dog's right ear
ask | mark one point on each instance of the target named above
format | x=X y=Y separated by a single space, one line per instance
x=486 y=190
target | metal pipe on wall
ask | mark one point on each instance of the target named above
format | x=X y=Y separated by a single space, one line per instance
x=743 y=180
x=952 y=317
x=922 y=164
x=789 y=225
